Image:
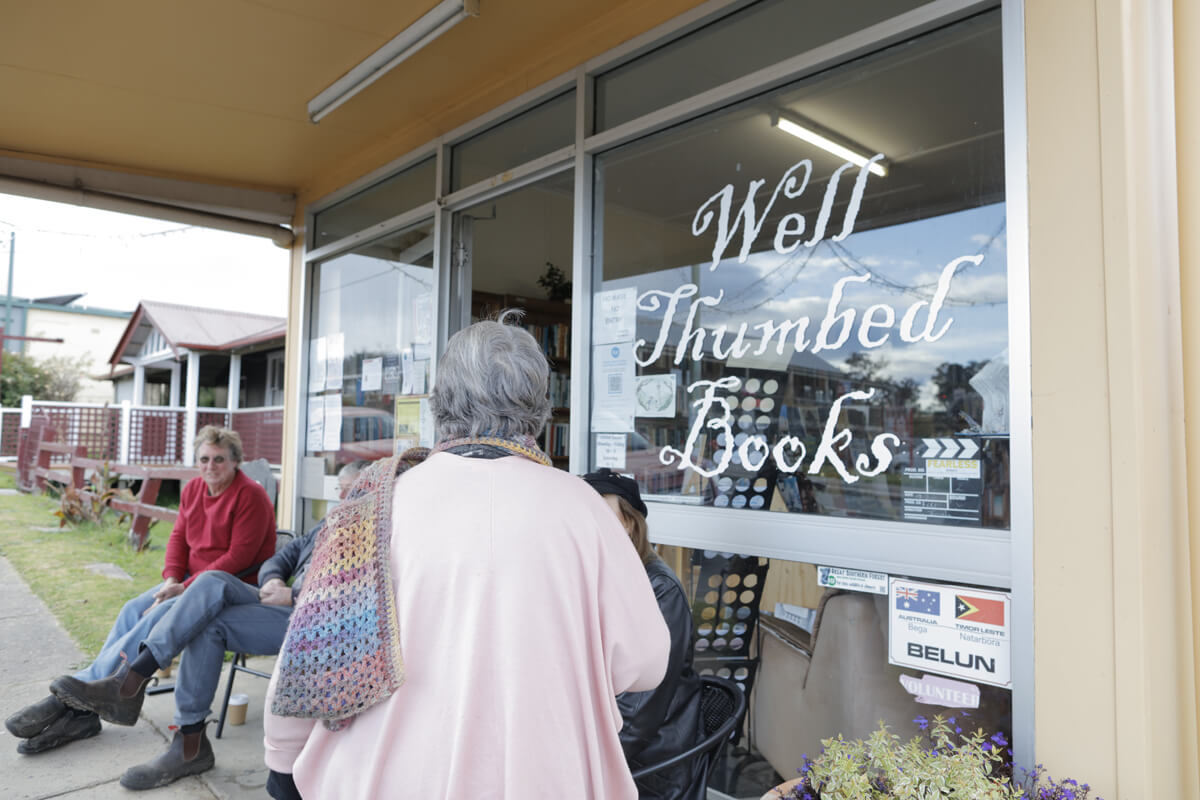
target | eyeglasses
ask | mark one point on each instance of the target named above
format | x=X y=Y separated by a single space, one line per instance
x=218 y=460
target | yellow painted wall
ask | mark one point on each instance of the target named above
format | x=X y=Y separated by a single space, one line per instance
x=1187 y=134
x=1115 y=691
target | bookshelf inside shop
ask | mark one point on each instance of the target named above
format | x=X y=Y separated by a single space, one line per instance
x=550 y=324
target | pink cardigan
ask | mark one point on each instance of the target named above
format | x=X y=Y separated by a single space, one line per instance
x=524 y=610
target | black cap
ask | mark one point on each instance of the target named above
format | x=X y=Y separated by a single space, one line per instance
x=605 y=481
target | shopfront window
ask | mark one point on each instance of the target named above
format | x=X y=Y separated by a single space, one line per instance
x=534 y=133
x=809 y=644
x=779 y=328
x=369 y=352
x=751 y=39
x=387 y=198
x=513 y=252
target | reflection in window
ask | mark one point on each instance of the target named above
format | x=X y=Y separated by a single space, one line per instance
x=810 y=336
x=370 y=347
x=392 y=196
x=538 y=131
x=751 y=39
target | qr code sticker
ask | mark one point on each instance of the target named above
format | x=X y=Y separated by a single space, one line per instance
x=614 y=384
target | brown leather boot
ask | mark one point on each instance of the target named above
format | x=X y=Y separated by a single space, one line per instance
x=188 y=754
x=117 y=698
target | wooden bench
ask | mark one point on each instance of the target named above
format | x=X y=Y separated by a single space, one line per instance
x=142 y=508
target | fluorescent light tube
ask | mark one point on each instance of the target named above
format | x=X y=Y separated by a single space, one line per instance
x=441 y=18
x=828 y=145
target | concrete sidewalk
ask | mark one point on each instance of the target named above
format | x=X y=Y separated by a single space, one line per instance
x=34 y=649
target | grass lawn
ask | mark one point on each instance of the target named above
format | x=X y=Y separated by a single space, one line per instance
x=53 y=563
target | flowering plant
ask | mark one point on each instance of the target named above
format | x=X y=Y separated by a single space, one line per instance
x=947 y=762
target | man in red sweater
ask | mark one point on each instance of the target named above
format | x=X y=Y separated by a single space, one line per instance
x=226 y=522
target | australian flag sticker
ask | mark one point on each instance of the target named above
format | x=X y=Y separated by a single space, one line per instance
x=921 y=601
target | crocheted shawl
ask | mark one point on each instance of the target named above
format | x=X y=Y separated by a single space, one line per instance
x=342 y=653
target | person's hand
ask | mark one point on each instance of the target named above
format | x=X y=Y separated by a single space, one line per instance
x=275 y=593
x=171 y=588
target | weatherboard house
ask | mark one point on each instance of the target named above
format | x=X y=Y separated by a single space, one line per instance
x=180 y=367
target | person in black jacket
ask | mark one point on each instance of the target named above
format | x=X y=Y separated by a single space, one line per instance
x=665 y=721
x=218 y=612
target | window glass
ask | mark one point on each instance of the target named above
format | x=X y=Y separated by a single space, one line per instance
x=780 y=329
x=538 y=131
x=746 y=41
x=514 y=251
x=812 y=641
x=391 y=196
x=369 y=352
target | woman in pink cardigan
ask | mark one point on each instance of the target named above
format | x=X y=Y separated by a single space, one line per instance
x=467 y=622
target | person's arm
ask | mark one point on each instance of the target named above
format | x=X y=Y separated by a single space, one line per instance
x=644 y=712
x=636 y=640
x=282 y=566
x=253 y=525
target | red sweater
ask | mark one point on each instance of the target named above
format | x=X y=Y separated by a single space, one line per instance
x=231 y=532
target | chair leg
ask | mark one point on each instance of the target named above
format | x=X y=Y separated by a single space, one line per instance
x=233 y=669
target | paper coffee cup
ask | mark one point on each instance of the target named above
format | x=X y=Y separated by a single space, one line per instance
x=237 y=709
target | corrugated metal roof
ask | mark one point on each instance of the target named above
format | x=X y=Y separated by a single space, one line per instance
x=197 y=328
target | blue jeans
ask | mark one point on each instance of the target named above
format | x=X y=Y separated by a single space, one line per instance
x=218 y=612
x=130 y=628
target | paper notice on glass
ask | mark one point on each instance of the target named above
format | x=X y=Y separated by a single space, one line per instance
x=406 y=370
x=613 y=399
x=420 y=370
x=610 y=450
x=408 y=416
x=333 y=421
x=316 y=364
x=614 y=316
x=655 y=395
x=391 y=374
x=315 y=440
x=335 y=351
x=372 y=374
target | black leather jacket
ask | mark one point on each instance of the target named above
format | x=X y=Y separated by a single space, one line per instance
x=664 y=722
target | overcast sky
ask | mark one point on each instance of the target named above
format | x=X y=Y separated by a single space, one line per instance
x=117 y=260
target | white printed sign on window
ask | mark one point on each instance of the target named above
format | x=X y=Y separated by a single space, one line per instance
x=614 y=316
x=655 y=395
x=610 y=450
x=372 y=374
x=613 y=399
x=950 y=630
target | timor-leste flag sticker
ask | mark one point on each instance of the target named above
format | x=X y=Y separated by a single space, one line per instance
x=978 y=609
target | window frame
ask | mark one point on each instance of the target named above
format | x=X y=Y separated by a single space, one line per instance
x=996 y=559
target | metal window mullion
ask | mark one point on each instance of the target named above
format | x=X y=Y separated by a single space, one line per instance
x=376 y=231
x=582 y=277
x=441 y=275
x=1020 y=470
x=882 y=34
x=936 y=552
x=530 y=172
